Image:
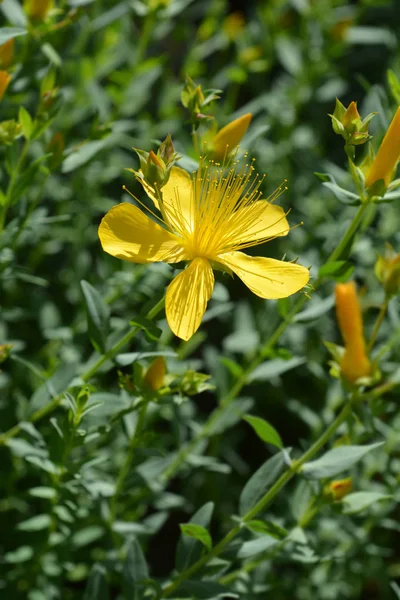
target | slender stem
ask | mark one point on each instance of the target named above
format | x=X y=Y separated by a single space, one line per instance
x=265 y=500
x=144 y=39
x=86 y=376
x=378 y=324
x=128 y=459
x=11 y=185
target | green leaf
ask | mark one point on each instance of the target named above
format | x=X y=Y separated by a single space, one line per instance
x=8 y=33
x=25 y=120
x=87 y=535
x=260 y=481
x=135 y=567
x=317 y=309
x=151 y=331
x=85 y=153
x=339 y=270
x=190 y=549
x=264 y=430
x=233 y=367
x=344 y=196
x=35 y=523
x=257 y=546
x=204 y=590
x=275 y=367
x=197 y=532
x=358 y=501
x=22 y=554
x=230 y=415
x=97 y=315
x=337 y=460
x=97 y=588
x=44 y=492
x=267 y=528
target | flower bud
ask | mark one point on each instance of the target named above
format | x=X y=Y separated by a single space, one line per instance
x=37 y=9
x=154 y=378
x=229 y=136
x=5 y=79
x=5 y=350
x=6 y=54
x=385 y=161
x=336 y=490
x=9 y=131
x=155 y=168
x=354 y=364
x=348 y=123
x=387 y=271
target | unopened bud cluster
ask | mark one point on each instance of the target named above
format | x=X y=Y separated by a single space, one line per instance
x=155 y=168
x=387 y=271
x=348 y=123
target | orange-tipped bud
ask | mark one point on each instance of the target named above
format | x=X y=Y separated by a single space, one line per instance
x=154 y=378
x=6 y=54
x=354 y=363
x=351 y=115
x=4 y=81
x=336 y=490
x=229 y=136
x=388 y=154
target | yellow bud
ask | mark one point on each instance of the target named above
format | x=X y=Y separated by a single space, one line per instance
x=6 y=54
x=233 y=25
x=229 y=136
x=4 y=81
x=336 y=490
x=387 y=271
x=37 y=9
x=154 y=378
x=354 y=363
x=350 y=115
x=388 y=154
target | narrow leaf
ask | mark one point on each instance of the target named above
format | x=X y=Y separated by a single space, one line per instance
x=135 y=567
x=359 y=501
x=197 y=532
x=190 y=549
x=264 y=430
x=336 y=461
x=259 y=483
x=97 y=315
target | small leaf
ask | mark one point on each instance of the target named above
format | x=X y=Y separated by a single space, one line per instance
x=25 y=120
x=85 y=153
x=336 y=461
x=317 y=309
x=358 y=501
x=339 y=270
x=97 y=315
x=97 y=588
x=275 y=367
x=151 y=331
x=256 y=546
x=197 y=532
x=135 y=567
x=35 y=523
x=260 y=481
x=264 y=430
x=47 y=493
x=8 y=33
x=267 y=528
x=190 y=549
x=204 y=590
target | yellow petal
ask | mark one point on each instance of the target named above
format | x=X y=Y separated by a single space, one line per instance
x=126 y=232
x=260 y=220
x=229 y=136
x=387 y=156
x=267 y=277
x=178 y=202
x=187 y=297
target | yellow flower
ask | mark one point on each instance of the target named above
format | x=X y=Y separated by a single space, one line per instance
x=205 y=219
x=388 y=154
x=354 y=363
x=4 y=81
x=227 y=138
x=6 y=54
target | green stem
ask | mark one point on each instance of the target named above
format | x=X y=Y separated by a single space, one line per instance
x=378 y=324
x=11 y=185
x=144 y=39
x=128 y=460
x=86 y=376
x=262 y=504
